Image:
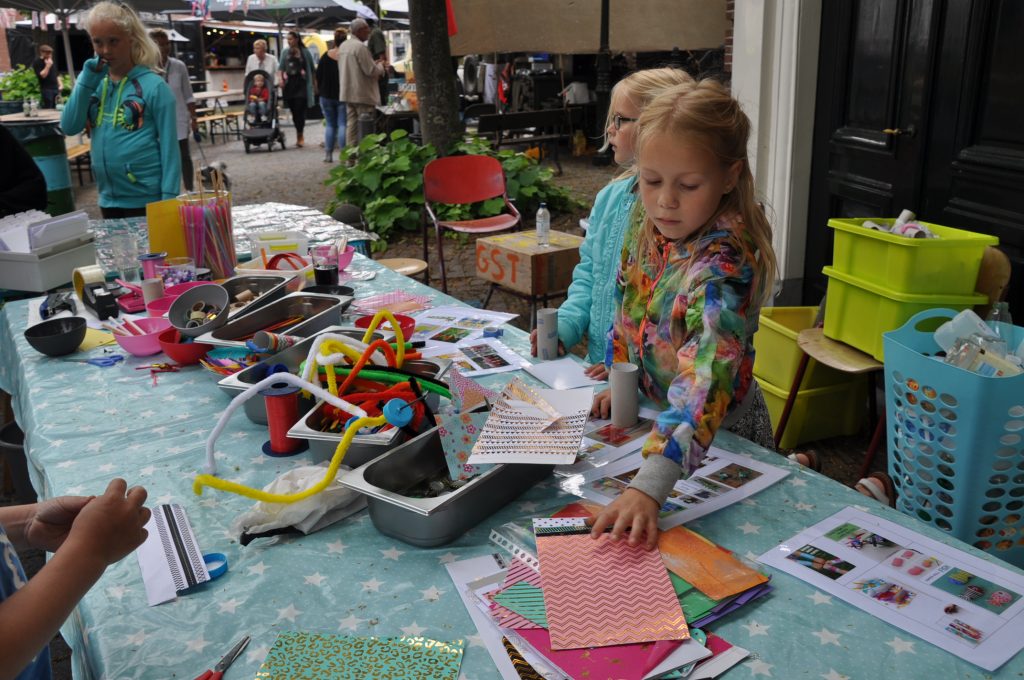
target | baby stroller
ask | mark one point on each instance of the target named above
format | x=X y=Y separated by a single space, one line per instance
x=261 y=128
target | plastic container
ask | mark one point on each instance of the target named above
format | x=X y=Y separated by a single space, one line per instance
x=955 y=441
x=147 y=344
x=183 y=353
x=946 y=265
x=777 y=356
x=858 y=312
x=177 y=270
x=47 y=267
x=304 y=275
x=818 y=413
x=274 y=242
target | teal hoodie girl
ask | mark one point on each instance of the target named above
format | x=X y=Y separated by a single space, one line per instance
x=135 y=155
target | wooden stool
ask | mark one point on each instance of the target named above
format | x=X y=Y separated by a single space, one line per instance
x=406 y=266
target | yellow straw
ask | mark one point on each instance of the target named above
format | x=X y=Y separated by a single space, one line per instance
x=399 y=336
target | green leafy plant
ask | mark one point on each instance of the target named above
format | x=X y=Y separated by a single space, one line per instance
x=20 y=84
x=385 y=179
x=65 y=85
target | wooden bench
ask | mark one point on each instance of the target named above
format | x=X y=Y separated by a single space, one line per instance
x=212 y=123
x=233 y=122
x=79 y=158
x=527 y=127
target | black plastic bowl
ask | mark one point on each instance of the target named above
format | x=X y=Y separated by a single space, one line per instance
x=57 y=337
x=328 y=289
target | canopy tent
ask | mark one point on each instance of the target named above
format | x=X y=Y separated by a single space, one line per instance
x=574 y=26
x=65 y=8
x=287 y=12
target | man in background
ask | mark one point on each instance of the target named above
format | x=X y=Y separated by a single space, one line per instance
x=175 y=74
x=358 y=74
x=378 y=45
x=46 y=72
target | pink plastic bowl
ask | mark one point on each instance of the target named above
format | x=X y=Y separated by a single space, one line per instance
x=160 y=306
x=147 y=344
x=345 y=257
x=176 y=290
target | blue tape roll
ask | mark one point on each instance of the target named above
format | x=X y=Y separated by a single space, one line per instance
x=216 y=564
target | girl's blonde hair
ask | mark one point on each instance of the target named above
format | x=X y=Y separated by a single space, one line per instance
x=640 y=87
x=705 y=114
x=144 y=50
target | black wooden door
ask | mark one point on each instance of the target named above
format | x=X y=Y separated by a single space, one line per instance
x=919 y=106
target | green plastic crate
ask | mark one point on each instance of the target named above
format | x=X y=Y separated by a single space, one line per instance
x=818 y=413
x=947 y=265
x=777 y=355
x=857 y=312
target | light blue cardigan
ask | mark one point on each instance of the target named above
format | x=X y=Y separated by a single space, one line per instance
x=590 y=306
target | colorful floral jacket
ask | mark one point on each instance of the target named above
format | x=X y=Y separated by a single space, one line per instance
x=687 y=317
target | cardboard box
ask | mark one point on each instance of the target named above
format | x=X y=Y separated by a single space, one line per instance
x=516 y=261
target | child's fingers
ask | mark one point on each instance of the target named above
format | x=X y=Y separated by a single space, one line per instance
x=601 y=522
x=652 y=534
x=619 y=528
x=137 y=495
x=116 y=488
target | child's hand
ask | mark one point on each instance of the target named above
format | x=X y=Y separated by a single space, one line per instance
x=49 y=526
x=112 y=525
x=633 y=510
x=97 y=65
x=602 y=407
x=597 y=371
x=533 y=344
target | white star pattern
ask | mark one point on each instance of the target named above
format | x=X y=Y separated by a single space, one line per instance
x=755 y=628
x=166 y=498
x=106 y=467
x=350 y=623
x=475 y=641
x=413 y=629
x=239 y=435
x=258 y=459
x=758 y=667
x=392 y=553
x=289 y=612
x=197 y=645
x=94 y=446
x=827 y=637
x=315 y=579
x=373 y=584
x=432 y=593
x=147 y=471
x=448 y=558
x=258 y=568
x=67 y=463
x=117 y=592
x=797 y=481
x=748 y=501
x=748 y=528
x=147 y=414
x=209 y=502
x=256 y=654
x=336 y=547
x=820 y=598
x=76 y=490
x=899 y=645
x=229 y=606
x=528 y=506
x=137 y=638
x=750 y=555
x=833 y=674
x=803 y=506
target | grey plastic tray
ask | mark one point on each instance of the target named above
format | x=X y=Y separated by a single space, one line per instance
x=318 y=312
x=428 y=522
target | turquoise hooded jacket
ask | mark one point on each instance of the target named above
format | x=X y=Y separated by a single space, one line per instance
x=590 y=304
x=135 y=155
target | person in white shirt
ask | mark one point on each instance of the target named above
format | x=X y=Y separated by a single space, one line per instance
x=358 y=76
x=261 y=60
x=175 y=74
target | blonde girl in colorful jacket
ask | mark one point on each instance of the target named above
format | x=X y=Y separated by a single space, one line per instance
x=697 y=264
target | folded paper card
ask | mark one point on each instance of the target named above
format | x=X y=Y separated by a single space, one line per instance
x=170 y=558
x=468 y=394
x=603 y=592
x=458 y=433
x=307 y=656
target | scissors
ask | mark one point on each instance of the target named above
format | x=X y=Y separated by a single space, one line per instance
x=218 y=671
x=102 y=362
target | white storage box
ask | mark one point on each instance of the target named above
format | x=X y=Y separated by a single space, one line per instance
x=47 y=267
x=274 y=242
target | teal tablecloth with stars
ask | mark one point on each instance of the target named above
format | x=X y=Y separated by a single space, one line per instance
x=85 y=425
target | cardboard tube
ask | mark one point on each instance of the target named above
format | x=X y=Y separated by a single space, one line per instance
x=89 y=274
x=547 y=334
x=152 y=289
x=624 y=382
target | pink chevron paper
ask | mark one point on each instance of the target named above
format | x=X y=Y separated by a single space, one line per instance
x=604 y=592
x=503 y=616
x=623 y=662
x=467 y=393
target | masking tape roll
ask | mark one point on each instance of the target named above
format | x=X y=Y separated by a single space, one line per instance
x=88 y=274
x=198 y=306
x=197 y=316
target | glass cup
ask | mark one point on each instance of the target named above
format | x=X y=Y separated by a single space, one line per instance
x=124 y=256
x=177 y=270
x=325 y=264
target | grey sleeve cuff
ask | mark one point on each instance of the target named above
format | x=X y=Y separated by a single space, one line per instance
x=656 y=478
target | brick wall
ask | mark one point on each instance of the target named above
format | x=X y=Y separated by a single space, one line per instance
x=730 y=13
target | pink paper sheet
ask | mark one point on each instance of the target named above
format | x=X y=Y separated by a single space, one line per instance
x=604 y=592
x=623 y=662
x=505 y=617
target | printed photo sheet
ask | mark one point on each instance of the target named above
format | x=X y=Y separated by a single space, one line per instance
x=604 y=443
x=452 y=324
x=475 y=358
x=724 y=479
x=961 y=603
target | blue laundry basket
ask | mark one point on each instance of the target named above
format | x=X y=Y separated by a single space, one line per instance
x=955 y=441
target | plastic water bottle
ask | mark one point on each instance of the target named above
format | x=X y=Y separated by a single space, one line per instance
x=543 y=225
x=962 y=326
x=999 y=321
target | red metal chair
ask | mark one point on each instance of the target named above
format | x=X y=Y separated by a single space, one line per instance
x=460 y=180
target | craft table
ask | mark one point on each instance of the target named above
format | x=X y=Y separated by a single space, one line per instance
x=215 y=96
x=85 y=425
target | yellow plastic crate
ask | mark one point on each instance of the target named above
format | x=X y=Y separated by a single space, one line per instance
x=857 y=312
x=777 y=356
x=947 y=265
x=818 y=413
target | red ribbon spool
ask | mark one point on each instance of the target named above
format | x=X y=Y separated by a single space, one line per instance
x=282 y=402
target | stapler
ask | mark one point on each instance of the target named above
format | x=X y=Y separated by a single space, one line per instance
x=57 y=302
x=100 y=300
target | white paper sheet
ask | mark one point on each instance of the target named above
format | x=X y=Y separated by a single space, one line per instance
x=450 y=325
x=912 y=582
x=562 y=374
x=724 y=479
x=475 y=358
x=170 y=558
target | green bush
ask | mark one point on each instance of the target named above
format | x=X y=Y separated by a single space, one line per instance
x=386 y=182
x=20 y=84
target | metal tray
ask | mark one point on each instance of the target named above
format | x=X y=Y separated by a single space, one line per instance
x=318 y=311
x=429 y=522
x=255 y=408
x=364 y=447
x=267 y=289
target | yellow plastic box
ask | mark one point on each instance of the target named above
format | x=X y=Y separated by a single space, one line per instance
x=947 y=265
x=818 y=413
x=857 y=312
x=777 y=356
